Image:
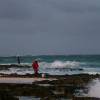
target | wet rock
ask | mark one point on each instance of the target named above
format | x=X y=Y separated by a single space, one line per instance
x=64 y=86
x=85 y=98
x=5 y=95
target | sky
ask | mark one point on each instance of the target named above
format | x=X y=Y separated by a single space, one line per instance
x=42 y=27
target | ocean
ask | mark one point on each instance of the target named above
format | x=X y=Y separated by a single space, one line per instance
x=53 y=64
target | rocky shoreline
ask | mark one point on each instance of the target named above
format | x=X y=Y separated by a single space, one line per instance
x=64 y=87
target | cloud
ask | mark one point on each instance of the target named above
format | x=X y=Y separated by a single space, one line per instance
x=70 y=26
x=14 y=9
x=76 y=6
x=21 y=9
x=49 y=16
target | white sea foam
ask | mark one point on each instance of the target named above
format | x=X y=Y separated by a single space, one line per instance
x=65 y=64
x=91 y=70
x=60 y=64
x=94 y=88
x=56 y=67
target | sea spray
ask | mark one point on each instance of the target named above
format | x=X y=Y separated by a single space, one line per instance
x=60 y=64
x=94 y=88
x=56 y=67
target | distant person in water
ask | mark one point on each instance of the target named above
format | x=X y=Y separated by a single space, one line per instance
x=35 y=67
x=18 y=60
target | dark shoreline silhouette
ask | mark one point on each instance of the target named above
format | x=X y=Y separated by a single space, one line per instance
x=63 y=87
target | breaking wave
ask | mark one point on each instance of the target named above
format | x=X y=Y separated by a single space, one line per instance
x=60 y=64
x=57 y=67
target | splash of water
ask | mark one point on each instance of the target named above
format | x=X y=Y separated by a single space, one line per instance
x=94 y=90
x=60 y=64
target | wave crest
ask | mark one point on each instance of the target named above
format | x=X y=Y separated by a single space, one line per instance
x=60 y=64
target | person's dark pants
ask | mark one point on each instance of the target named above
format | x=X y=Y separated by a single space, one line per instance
x=35 y=73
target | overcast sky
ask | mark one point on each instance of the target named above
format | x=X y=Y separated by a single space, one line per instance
x=49 y=27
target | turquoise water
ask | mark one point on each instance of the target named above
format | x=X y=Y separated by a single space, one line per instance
x=55 y=64
x=28 y=59
x=28 y=98
x=36 y=98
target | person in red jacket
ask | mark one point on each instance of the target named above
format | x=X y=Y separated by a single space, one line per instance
x=35 y=67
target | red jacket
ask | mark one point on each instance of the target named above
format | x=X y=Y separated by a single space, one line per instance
x=35 y=66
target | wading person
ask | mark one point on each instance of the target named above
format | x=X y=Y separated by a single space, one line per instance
x=35 y=67
x=18 y=60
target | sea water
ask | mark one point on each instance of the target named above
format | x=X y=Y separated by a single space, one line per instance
x=53 y=64
x=36 y=98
